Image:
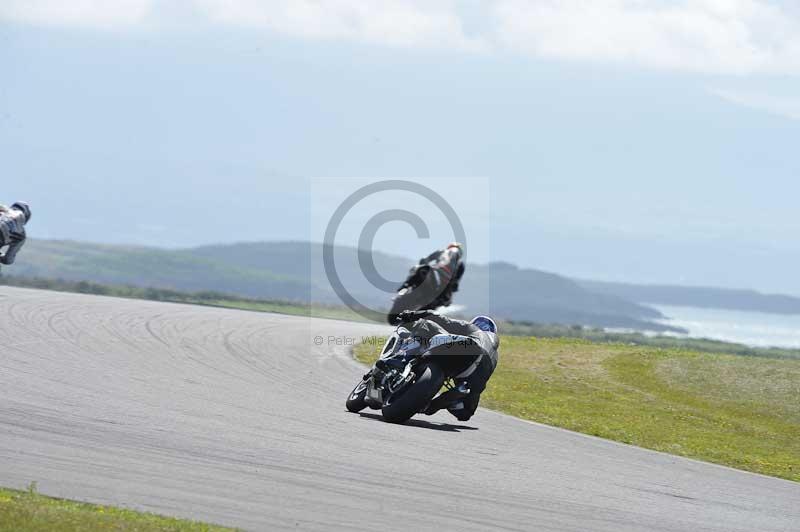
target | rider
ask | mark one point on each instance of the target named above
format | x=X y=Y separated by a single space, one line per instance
x=461 y=401
x=441 y=271
x=12 y=230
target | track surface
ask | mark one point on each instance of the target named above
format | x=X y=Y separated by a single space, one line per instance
x=237 y=418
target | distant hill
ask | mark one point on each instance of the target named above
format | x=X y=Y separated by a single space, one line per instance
x=145 y=266
x=498 y=288
x=293 y=271
x=702 y=297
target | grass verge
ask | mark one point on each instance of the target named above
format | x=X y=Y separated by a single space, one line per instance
x=27 y=511
x=738 y=411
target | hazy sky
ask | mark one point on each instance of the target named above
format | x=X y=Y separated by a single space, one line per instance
x=649 y=141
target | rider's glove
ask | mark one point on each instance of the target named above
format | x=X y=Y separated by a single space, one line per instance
x=408 y=316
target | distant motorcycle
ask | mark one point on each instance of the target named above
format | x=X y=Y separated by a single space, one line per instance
x=410 y=373
x=420 y=291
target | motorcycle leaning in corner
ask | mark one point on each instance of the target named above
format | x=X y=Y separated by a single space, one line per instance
x=412 y=370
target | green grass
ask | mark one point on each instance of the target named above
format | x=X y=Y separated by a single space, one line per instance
x=595 y=334
x=27 y=511
x=733 y=410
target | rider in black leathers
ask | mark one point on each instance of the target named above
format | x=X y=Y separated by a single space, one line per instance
x=483 y=341
x=435 y=278
x=12 y=230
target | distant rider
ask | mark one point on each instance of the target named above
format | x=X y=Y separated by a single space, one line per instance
x=12 y=230
x=483 y=341
x=436 y=276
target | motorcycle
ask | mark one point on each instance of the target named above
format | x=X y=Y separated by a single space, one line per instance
x=420 y=291
x=410 y=372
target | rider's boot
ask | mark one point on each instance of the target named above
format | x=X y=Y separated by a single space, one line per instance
x=448 y=399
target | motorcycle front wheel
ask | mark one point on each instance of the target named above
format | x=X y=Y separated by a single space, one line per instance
x=355 y=401
x=401 y=406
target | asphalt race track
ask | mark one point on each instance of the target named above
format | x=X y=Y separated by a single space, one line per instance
x=238 y=418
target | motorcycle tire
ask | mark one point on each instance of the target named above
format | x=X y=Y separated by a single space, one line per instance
x=355 y=401
x=416 y=396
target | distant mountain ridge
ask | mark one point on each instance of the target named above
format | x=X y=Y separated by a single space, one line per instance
x=293 y=271
x=146 y=266
x=701 y=297
x=498 y=288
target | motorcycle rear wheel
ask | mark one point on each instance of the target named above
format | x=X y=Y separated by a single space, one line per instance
x=416 y=396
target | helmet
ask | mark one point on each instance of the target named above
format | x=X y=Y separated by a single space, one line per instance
x=458 y=245
x=485 y=323
x=26 y=210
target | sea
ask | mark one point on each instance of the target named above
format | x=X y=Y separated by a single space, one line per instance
x=756 y=329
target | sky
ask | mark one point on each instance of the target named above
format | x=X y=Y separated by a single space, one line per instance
x=626 y=140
